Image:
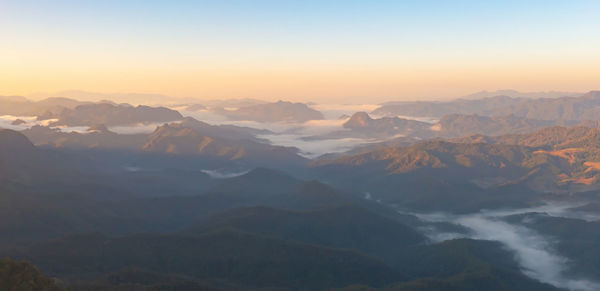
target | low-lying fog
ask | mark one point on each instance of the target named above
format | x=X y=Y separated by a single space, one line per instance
x=224 y=173
x=290 y=134
x=283 y=134
x=294 y=134
x=534 y=252
x=6 y=121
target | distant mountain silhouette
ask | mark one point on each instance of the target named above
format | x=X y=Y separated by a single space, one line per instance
x=281 y=111
x=97 y=137
x=585 y=107
x=455 y=125
x=438 y=109
x=21 y=106
x=580 y=107
x=517 y=94
x=110 y=115
x=135 y=98
x=361 y=125
x=233 y=102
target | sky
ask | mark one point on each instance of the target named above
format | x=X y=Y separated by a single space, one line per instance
x=316 y=50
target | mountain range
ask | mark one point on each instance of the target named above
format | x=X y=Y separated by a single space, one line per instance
x=112 y=115
x=21 y=106
x=361 y=125
x=292 y=232
x=189 y=137
x=580 y=108
x=468 y=202
x=551 y=160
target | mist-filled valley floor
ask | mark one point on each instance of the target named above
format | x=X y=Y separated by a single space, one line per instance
x=486 y=192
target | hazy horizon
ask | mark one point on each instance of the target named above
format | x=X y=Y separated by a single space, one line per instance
x=333 y=51
x=135 y=97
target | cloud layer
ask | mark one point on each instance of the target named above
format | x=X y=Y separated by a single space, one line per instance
x=534 y=252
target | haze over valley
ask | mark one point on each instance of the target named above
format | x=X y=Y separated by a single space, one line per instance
x=299 y=145
x=480 y=179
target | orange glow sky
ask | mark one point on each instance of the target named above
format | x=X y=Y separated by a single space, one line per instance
x=351 y=51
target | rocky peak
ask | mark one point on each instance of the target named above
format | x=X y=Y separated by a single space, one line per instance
x=358 y=120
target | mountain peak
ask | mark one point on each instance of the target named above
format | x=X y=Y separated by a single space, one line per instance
x=358 y=120
x=192 y=122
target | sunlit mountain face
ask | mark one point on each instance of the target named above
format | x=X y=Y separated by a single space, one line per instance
x=299 y=145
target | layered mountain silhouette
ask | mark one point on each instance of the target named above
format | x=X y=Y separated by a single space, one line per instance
x=456 y=125
x=579 y=108
x=195 y=206
x=438 y=109
x=21 y=106
x=555 y=159
x=361 y=125
x=518 y=94
x=69 y=112
x=186 y=138
x=103 y=227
